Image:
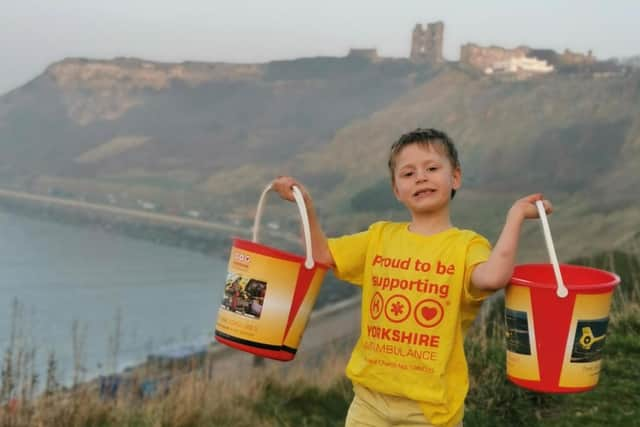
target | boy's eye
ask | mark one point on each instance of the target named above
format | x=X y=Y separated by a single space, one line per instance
x=407 y=173
x=432 y=169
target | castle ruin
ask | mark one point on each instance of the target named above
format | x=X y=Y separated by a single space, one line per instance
x=426 y=44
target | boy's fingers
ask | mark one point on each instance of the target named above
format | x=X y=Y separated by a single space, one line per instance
x=532 y=198
x=548 y=207
x=283 y=186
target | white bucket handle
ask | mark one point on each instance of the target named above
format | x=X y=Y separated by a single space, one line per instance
x=297 y=195
x=561 y=290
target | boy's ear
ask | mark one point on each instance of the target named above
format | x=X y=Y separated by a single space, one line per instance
x=457 y=178
x=395 y=190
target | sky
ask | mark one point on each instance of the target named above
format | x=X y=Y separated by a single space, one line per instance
x=37 y=33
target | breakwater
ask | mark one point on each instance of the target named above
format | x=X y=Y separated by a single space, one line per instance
x=207 y=237
x=203 y=236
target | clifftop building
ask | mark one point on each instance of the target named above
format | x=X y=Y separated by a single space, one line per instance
x=426 y=44
x=524 y=58
x=523 y=67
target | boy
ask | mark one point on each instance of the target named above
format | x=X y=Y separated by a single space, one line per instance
x=422 y=284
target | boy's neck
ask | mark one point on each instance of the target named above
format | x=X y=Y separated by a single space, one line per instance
x=428 y=225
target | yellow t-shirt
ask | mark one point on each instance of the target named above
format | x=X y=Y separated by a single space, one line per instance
x=417 y=303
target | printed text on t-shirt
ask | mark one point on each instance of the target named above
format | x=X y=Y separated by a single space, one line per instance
x=419 y=265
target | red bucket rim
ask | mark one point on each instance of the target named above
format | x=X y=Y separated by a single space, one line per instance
x=273 y=252
x=612 y=282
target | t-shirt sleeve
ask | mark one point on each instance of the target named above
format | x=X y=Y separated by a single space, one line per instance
x=478 y=251
x=349 y=254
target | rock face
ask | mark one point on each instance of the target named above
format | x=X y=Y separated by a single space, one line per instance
x=103 y=74
x=116 y=85
x=426 y=43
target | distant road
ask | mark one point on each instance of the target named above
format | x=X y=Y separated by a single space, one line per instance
x=131 y=213
x=145 y=216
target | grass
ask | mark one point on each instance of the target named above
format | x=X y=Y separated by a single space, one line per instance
x=193 y=400
x=315 y=393
x=114 y=147
x=156 y=181
x=493 y=401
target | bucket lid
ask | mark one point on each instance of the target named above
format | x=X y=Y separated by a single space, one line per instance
x=576 y=277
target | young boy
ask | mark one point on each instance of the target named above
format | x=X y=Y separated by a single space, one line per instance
x=422 y=284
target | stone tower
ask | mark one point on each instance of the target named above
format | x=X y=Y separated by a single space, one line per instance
x=426 y=44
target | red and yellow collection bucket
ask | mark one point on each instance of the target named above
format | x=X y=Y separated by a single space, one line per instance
x=269 y=293
x=554 y=344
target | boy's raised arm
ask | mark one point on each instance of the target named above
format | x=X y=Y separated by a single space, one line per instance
x=496 y=272
x=321 y=253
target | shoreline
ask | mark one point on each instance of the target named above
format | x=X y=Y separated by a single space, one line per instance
x=220 y=362
x=331 y=298
x=202 y=237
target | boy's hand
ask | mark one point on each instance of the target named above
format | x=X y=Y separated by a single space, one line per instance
x=283 y=186
x=321 y=252
x=525 y=208
x=496 y=272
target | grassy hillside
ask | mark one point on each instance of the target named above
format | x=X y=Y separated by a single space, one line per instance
x=210 y=143
x=574 y=138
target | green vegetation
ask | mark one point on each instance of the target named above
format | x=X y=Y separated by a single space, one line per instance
x=315 y=393
x=159 y=181
x=377 y=198
x=493 y=401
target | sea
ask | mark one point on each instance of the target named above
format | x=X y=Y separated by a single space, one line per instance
x=97 y=302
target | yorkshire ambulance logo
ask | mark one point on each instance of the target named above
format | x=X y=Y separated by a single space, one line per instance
x=428 y=313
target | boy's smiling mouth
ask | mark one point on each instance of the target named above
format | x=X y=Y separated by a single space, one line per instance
x=424 y=192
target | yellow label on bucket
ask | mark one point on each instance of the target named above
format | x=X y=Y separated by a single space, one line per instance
x=522 y=356
x=257 y=297
x=582 y=361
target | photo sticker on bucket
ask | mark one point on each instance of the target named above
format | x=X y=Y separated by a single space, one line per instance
x=244 y=296
x=522 y=358
x=518 y=339
x=589 y=340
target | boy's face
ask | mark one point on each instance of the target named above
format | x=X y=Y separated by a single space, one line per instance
x=424 y=178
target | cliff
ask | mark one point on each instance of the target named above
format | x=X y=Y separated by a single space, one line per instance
x=105 y=90
x=208 y=137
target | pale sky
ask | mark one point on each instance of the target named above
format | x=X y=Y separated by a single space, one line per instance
x=36 y=33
